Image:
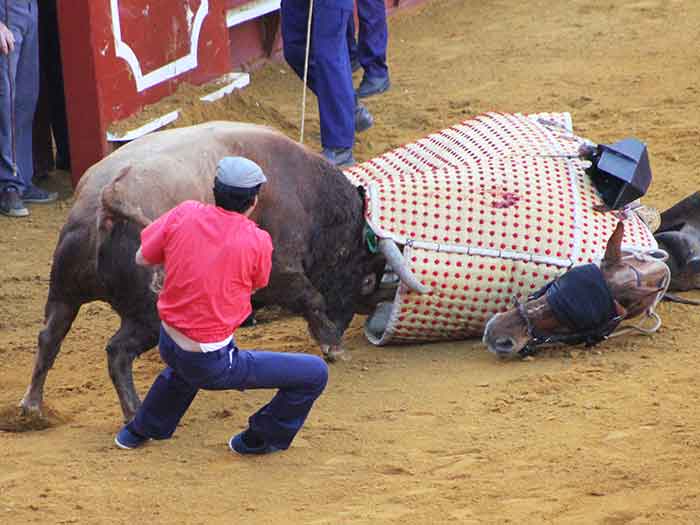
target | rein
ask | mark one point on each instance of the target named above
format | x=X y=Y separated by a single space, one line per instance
x=602 y=331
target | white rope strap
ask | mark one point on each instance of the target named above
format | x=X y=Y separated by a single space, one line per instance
x=306 y=71
x=650 y=313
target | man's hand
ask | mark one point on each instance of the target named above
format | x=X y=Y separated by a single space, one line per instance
x=7 y=40
x=140 y=260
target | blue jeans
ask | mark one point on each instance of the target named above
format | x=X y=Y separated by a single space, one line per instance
x=23 y=67
x=370 y=47
x=329 y=75
x=300 y=379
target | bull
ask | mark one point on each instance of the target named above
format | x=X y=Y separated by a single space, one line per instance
x=323 y=267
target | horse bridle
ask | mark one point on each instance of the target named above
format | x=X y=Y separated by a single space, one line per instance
x=587 y=337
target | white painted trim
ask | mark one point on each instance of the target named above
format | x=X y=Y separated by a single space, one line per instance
x=169 y=70
x=232 y=81
x=250 y=11
x=146 y=128
x=228 y=83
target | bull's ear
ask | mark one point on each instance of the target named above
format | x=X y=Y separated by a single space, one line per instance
x=613 y=252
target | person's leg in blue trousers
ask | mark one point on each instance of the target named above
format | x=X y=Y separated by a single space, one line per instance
x=24 y=73
x=169 y=397
x=300 y=379
x=330 y=76
x=372 y=38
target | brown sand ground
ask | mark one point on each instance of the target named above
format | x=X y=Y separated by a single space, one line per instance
x=440 y=433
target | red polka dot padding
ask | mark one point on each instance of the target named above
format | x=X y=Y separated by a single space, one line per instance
x=490 y=209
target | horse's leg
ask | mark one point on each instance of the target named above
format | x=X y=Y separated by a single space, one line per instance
x=687 y=210
x=683 y=251
x=59 y=318
x=131 y=340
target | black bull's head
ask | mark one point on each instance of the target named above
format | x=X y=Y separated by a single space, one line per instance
x=623 y=287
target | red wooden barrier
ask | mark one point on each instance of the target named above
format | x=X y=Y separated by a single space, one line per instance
x=119 y=55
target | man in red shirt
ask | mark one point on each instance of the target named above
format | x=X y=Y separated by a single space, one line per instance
x=214 y=258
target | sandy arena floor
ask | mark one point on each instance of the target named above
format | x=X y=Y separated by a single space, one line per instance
x=441 y=433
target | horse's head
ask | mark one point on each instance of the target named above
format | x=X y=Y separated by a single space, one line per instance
x=586 y=304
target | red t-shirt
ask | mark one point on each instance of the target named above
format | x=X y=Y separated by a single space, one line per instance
x=214 y=260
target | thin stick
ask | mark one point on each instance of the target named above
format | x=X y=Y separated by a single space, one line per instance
x=306 y=70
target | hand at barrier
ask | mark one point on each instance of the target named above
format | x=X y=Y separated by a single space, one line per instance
x=7 y=40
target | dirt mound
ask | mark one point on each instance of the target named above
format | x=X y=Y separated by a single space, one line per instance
x=14 y=419
x=239 y=106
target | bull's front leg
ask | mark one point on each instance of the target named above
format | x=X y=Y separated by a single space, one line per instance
x=300 y=296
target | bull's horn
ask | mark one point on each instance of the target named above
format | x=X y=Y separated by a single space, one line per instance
x=398 y=264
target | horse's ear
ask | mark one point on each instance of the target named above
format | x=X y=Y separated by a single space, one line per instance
x=613 y=253
x=620 y=310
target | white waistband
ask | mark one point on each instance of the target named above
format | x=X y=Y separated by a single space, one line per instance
x=213 y=347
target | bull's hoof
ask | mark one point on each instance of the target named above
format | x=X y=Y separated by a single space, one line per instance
x=333 y=353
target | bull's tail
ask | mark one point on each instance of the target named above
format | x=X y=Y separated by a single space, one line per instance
x=115 y=205
x=118 y=225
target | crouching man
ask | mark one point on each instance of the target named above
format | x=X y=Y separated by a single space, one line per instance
x=214 y=259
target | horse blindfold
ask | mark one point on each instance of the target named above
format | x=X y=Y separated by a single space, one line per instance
x=581 y=300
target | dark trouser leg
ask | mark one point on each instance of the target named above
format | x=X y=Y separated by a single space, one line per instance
x=26 y=95
x=168 y=399
x=333 y=76
x=294 y=15
x=51 y=49
x=373 y=37
x=164 y=405
x=300 y=379
x=19 y=83
x=329 y=75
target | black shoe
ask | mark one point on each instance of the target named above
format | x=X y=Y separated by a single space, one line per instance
x=363 y=119
x=237 y=444
x=11 y=203
x=36 y=195
x=373 y=86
